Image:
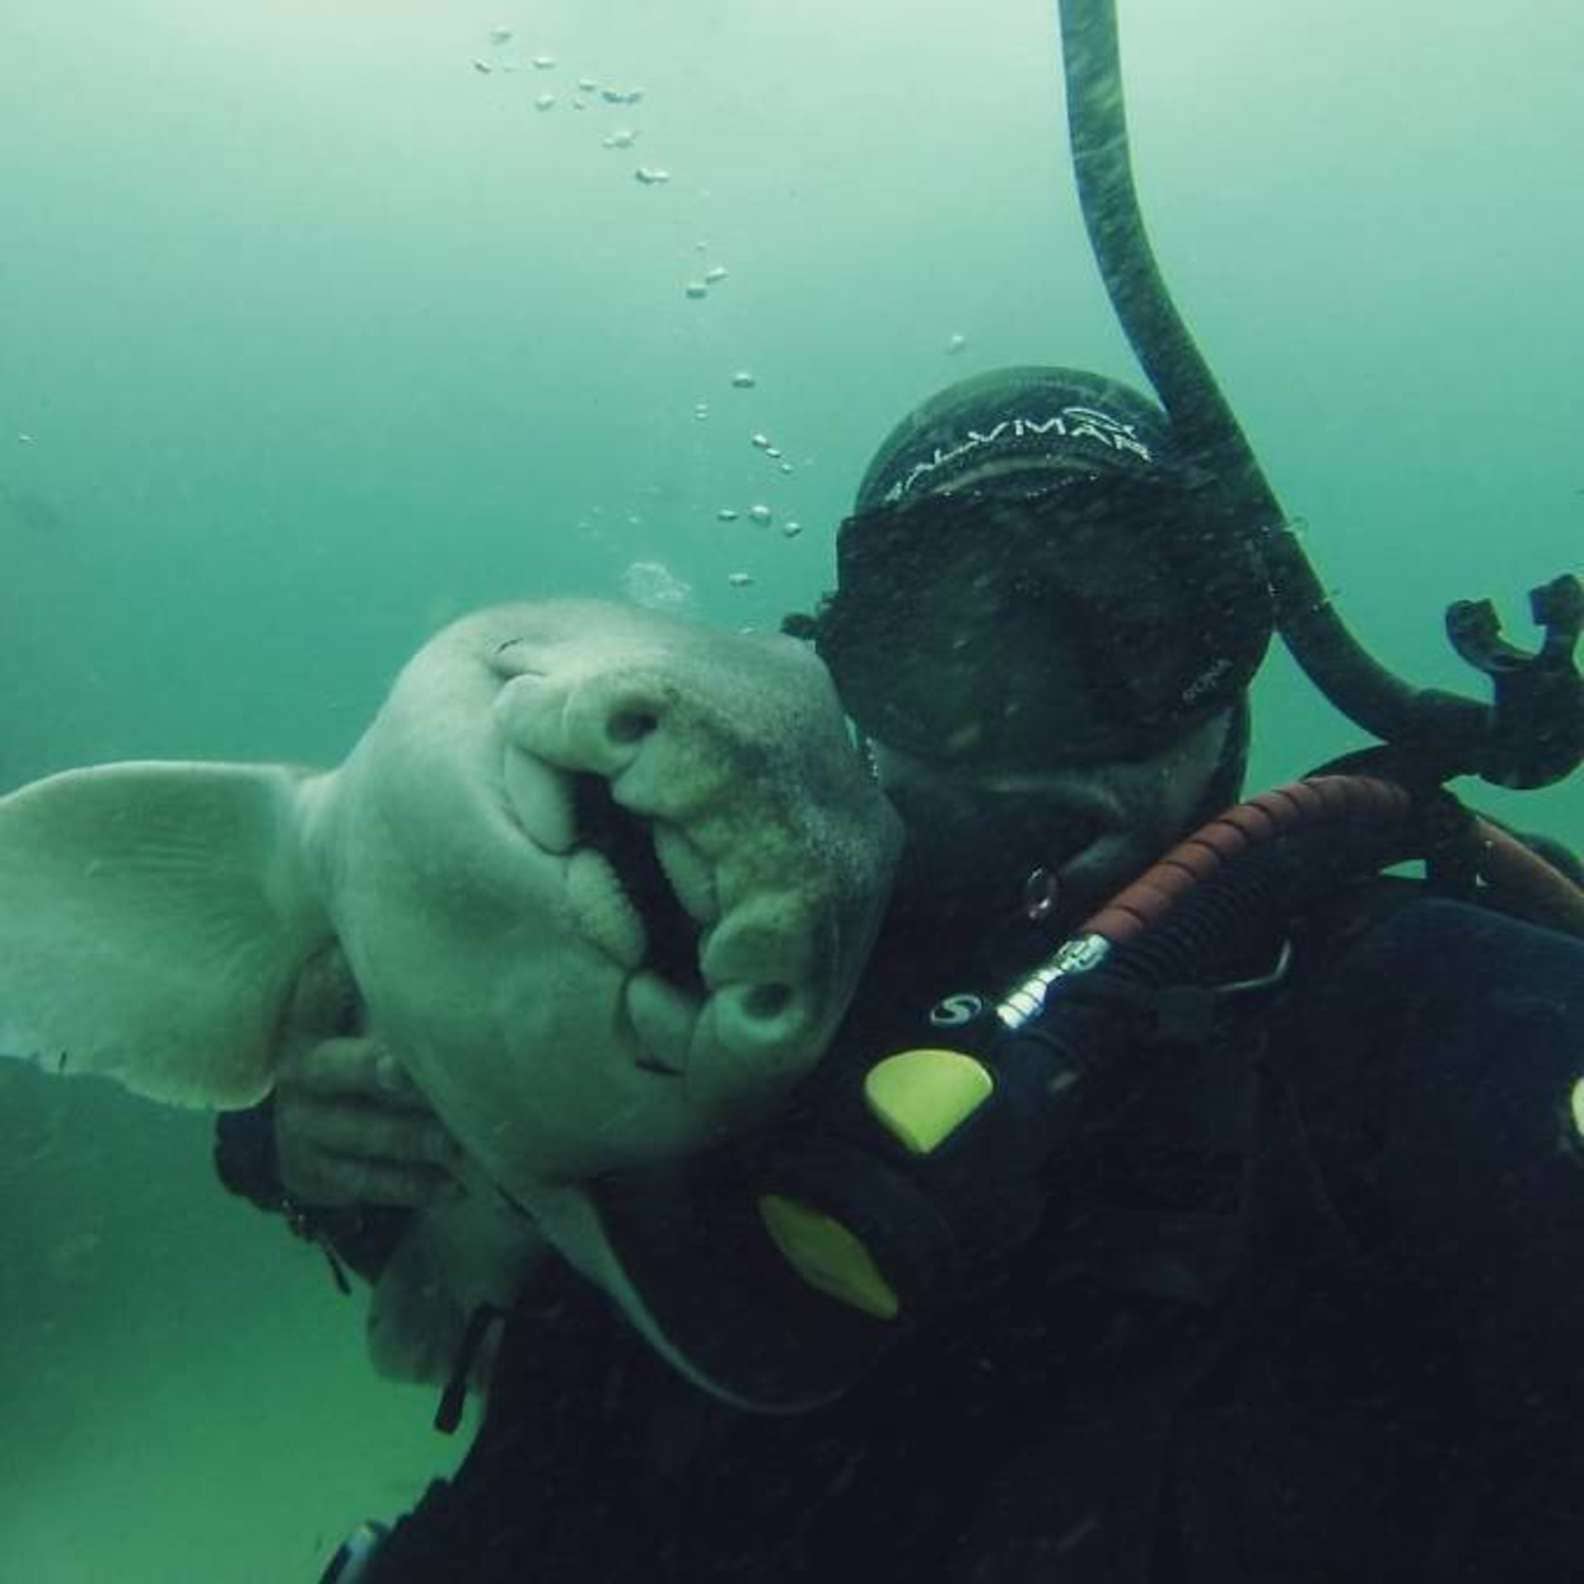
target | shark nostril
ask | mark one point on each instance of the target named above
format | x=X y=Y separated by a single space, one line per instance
x=630 y=726
x=768 y=1000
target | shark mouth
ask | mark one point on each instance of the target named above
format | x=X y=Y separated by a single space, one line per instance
x=627 y=842
x=708 y=993
x=638 y=890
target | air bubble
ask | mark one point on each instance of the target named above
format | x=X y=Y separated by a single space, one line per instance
x=760 y=514
x=1041 y=892
x=653 y=585
x=743 y=380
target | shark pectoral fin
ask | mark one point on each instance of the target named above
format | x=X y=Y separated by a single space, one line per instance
x=154 y=918
x=457 y=1254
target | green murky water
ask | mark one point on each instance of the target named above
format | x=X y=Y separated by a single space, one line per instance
x=314 y=333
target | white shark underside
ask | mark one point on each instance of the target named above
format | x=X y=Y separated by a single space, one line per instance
x=604 y=881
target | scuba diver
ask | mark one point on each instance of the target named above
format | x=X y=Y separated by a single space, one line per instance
x=1184 y=1197
x=1248 y=1254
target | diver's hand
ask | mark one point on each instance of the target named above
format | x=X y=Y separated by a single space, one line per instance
x=350 y=1126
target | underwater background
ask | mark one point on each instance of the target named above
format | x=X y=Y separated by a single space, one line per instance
x=323 y=321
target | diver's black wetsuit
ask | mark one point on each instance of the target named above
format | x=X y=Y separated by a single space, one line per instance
x=1313 y=1311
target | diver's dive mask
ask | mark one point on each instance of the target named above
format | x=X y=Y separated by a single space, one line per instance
x=1042 y=619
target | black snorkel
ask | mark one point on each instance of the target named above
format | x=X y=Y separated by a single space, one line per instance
x=1533 y=734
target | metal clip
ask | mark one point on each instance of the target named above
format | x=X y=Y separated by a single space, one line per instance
x=1537 y=731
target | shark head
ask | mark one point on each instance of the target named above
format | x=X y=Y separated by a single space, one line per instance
x=605 y=881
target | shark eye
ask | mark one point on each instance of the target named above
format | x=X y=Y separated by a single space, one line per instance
x=630 y=726
x=514 y=657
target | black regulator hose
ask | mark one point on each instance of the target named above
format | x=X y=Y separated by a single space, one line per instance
x=1535 y=735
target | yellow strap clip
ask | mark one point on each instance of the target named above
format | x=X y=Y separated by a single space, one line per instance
x=923 y=1096
x=829 y=1257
